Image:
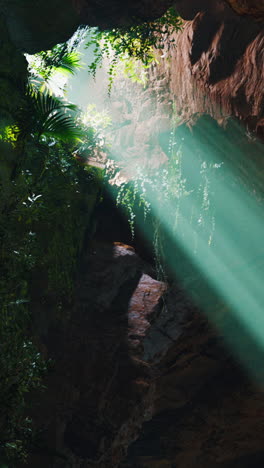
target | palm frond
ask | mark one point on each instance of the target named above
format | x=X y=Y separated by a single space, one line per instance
x=62 y=127
x=69 y=63
x=47 y=115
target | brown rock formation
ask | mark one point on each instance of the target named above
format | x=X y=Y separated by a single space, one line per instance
x=35 y=27
x=206 y=412
x=101 y=391
x=220 y=426
x=248 y=7
x=217 y=68
x=123 y=357
x=39 y=26
x=132 y=367
x=190 y=8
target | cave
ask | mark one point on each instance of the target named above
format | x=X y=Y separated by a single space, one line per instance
x=131 y=322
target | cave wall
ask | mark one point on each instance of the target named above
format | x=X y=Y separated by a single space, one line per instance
x=113 y=370
x=13 y=76
x=35 y=26
x=254 y=8
x=217 y=67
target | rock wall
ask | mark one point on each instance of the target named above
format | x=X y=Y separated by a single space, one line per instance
x=138 y=368
x=13 y=76
x=217 y=68
x=253 y=8
x=39 y=26
x=101 y=390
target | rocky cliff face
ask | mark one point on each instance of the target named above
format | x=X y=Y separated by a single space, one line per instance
x=217 y=68
x=254 y=8
x=135 y=361
x=103 y=386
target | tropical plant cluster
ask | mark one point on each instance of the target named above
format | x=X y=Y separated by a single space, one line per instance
x=47 y=201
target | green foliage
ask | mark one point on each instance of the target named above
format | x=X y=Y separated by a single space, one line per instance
x=47 y=200
x=133 y=69
x=98 y=120
x=154 y=194
x=137 y=42
x=61 y=58
x=45 y=116
x=93 y=125
x=166 y=185
x=41 y=230
x=45 y=64
x=48 y=70
x=70 y=63
x=69 y=192
x=21 y=365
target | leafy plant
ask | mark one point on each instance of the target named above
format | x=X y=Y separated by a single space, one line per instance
x=21 y=365
x=166 y=196
x=48 y=70
x=165 y=185
x=137 y=42
x=47 y=200
x=42 y=230
x=61 y=58
x=45 y=116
